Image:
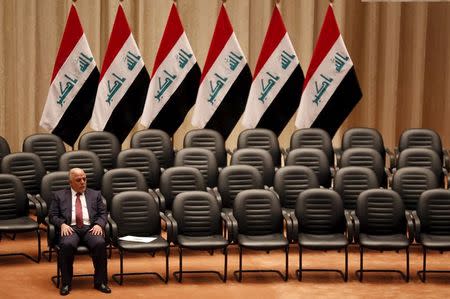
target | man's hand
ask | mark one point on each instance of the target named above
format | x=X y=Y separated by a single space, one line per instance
x=96 y=230
x=66 y=230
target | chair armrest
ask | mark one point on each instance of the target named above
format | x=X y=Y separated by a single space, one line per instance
x=37 y=204
x=416 y=226
x=349 y=226
x=229 y=227
x=338 y=155
x=215 y=192
x=43 y=211
x=161 y=200
x=114 y=231
x=288 y=222
x=391 y=156
x=389 y=175
x=295 y=226
x=235 y=227
x=410 y=226
x=284 y=153
x=51 y=234
x=105 y=203
x=172 y=227
x=356 y=226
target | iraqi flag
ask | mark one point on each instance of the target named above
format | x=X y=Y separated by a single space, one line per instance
x=225 y=81
x=277 y=82
x=123 y=83
x=331 y=88
x=73 y=86
x=175 y=78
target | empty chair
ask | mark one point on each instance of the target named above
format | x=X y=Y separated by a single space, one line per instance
x=144 y=161
x=4 y=148
x=316 y=160
x=381 y=224
x=290 y=181
x=319 y=223
x=261 y=138
x=350 y=181
x=258 y=158
x=313 y=138
x=48 y=147
x=202 y=159
x=198 y=225
x=433 y=227
x=14 y=212
x=86 y=160
x=158 y=142
x=104 y=144
x=210 y=140
x=366 y=157
x=136 y=213
x=258 y=225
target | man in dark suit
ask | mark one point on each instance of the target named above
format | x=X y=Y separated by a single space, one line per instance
x=80 y=215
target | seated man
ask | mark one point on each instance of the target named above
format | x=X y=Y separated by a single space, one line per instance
x=80 y=215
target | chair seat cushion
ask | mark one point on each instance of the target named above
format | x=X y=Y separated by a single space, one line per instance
x=157 y=244
x=206 y=242
x=263 y=242
x=322 y=242
x=437 y=242
x=384 y=242
x=20 y=224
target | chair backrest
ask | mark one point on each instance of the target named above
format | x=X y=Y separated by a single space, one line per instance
x=210 y=140
x=433 y=210
x=258 y=212
x=104 y=144
x=350 y=181
x=420 y=138
x=4 y=148
x=119 y=180
x=197 y=213
x=48 y=147
x=290 y=181
x=364 y=137
x=236 y=178
x=143 y=160
x=180 y=179
x=313 y=138
x=314 y=159
x=365 y=157
x=421 y=157
x=13 y=198
x=27 y=167
x=136 y=213
x=381 y=212
x=411 y=182
x=158 y=141
x=202 y=159
x=86 y=160
x=320 y=212
x=258 y=158
x=261 y=138
x=52 y=182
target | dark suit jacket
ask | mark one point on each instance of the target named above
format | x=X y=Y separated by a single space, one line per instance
x=61 y=208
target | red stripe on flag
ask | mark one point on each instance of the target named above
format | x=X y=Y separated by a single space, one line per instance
x=327 y=38
x=222 y=33
x=119 y=34
x=71 y=36
x=274 y=35
x=172 y=32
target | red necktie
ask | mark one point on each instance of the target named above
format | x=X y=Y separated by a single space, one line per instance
x=78 y=212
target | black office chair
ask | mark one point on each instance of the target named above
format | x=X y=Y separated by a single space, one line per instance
x=104 y=144
x=261 y=138
x=433 y=225
x=258 y=225
x=159 y=142
x=198 y=225
x=258 y=158
x=86 y=160
x=136 y=213
x=319 y=223
x=4 y=148
x=14 y=212
x=48 y=147
x=144 y=161
x=202 y=159
x=210 y=140
x=313 y=138
x=381 y=224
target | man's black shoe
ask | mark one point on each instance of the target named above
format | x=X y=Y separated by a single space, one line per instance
x=103 y=288
x=64 y=290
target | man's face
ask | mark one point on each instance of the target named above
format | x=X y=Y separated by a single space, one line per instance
x=78 y=181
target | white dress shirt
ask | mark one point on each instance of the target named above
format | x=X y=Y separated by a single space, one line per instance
x=83 y=208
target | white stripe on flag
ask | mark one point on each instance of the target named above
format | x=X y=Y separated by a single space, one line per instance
x=269 y=81
x=67 y=83
x=216 y=84
x=116 y=81
x=324 y=82
x=167 y=78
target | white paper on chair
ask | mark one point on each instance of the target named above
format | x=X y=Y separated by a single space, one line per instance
x=137 y=239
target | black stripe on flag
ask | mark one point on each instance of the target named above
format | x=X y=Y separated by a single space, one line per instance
x=174 y=111
x=79 y=111
x=232 y=106
x=129 y=109
x=339 y=106
x=284 y=105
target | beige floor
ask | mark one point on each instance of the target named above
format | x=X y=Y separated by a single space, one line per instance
x=21 y=278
